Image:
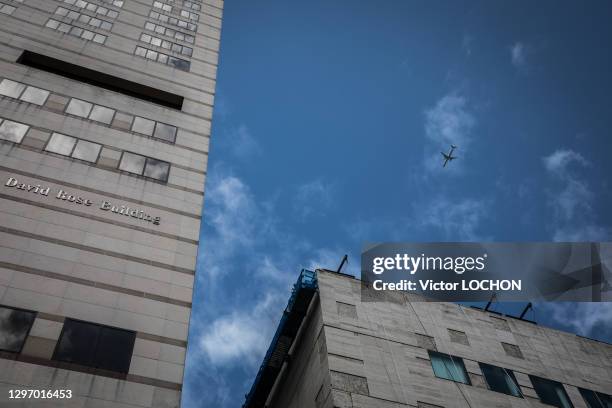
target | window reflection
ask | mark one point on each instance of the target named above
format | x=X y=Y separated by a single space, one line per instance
x=88 y=151
x=165 y=132
x=14 y=327
x=96 y=346
x=500 y=380
x=551 y=392
x=157 y=169
x=144 y=126
x=12 y=131
x=78 y=107
x=102 y=114
x=61 y=144
x=11 y=88
x=35 y=95
x=448 y=367
x=134 y=163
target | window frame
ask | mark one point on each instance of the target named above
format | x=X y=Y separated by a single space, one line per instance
x=165 y=181
x=597 y=395
x=452 y=357
x=28 y=331
x=77 y=139
x=531 y=378
x=510 y=373
x=93 y=352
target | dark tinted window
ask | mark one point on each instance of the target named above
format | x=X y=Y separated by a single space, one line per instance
x=596 y=399
x=15 y=325
x=96 y=346
x=551 y=392
x=501 y=380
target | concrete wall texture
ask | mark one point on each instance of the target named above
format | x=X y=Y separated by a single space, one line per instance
x=357 y=354
x=64 y=259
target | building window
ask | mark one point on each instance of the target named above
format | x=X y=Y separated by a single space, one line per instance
x=448 y=367
x=165 y=132
x=95 y=8
x=73 y=147
x=94 y=345
x=35 y=95
x=177 y=63
x=500 y=380
x=144 y=126
x=75 y=31
x=169 y=32
x=512 y=350
x=15 y=324
x=596 y=399
x=12 y=131
x=11 y=89
x=6 y=9
x=162 y=6
x=88 y=110
x=144 y=166
x=173 y=21
x=158 y=42
x=23 y=92
x=84 y=18
x=102 y=114
x=551 y=392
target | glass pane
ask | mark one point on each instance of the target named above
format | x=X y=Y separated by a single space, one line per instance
x=60 y=144
x=14 y=327
x=606 y=400
x=13 y=131
x=165 y=132
x=88 y=151
x=500 y=380
x=79 y=108
x=157 y=169
x=102 y=114
x=551 y=392
x=131 y=162
x=77 y=342
x=11 y=88
x=142 y=125
x=448 y=367
x=590 y=398
x=114 y=350
x=35 y=95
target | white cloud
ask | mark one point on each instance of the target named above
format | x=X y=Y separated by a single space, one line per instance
x=584 y=318
x=559 y=161
x=457 y=220
x=448 y=122
x=518 y=55
x=575 y=198
x=313 y=198
x=241 y=142
x=245 y=245
x=243 y=335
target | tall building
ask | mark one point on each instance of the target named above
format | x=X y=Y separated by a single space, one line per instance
x=332 y=349
x=105 y=118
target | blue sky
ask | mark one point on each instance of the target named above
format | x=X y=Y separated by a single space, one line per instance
x=329 y=120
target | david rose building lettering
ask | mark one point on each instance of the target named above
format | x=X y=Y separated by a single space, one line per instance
x=105 y=205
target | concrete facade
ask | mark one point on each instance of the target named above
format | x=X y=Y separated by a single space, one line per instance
x=355 y=354
x=65 y=259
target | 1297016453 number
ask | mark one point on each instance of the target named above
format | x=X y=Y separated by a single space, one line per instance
x=40 y=394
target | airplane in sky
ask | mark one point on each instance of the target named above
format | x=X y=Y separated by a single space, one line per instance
x=449 y=157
